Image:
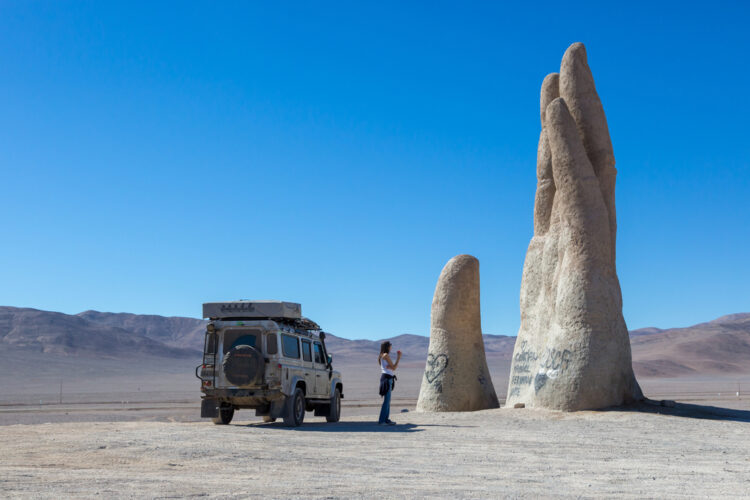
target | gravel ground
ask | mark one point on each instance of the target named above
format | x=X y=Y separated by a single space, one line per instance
x=687 y=451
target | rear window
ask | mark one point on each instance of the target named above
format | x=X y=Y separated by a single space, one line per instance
x=233 y=338
x=306 y=350
x=290 y=345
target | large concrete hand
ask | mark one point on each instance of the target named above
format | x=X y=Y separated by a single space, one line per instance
x=573 y=349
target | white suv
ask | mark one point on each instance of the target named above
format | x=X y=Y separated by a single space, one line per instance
x=264 y=355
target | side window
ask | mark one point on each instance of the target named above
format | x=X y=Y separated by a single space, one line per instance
x=319 y=353
x=272 y=344
x=290 y=346
x=306 y=352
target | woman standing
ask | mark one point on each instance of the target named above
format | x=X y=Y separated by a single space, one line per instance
x=387 y=376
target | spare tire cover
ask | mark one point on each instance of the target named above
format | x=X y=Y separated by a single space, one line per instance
x=243 y=365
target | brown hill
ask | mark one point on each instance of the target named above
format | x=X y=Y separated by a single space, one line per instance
x=62 y=334
x=175 y=331
x=414 y=347
x=719 y=346
x=644 y=331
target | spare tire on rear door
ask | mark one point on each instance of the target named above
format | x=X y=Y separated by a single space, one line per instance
x=243 y=365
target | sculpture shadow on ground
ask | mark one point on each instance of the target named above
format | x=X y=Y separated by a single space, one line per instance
x=688 y=410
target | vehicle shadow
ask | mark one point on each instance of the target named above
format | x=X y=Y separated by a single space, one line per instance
x=364 y=426
x=356 y=426
x=687 y=410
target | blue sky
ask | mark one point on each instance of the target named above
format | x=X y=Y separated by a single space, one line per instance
x=154 y=156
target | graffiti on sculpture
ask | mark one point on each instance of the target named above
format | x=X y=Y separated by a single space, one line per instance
x=436 y=365
x=555 y=360
x=523 y=358
x=551 y=365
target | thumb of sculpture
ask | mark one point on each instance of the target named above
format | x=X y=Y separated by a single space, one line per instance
x=456 y=377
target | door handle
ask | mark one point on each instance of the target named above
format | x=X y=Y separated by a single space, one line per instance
x=307 y=373
x=317 y=376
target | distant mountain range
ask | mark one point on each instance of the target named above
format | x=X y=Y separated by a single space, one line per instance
x=173 y=331
x=414 y=347
x=719 y=346
x=76 y=335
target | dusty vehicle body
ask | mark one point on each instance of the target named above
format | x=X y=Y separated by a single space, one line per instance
x=264 y=355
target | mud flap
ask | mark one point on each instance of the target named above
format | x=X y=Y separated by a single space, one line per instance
x=322 y=410
x=277 y=408
x=209 y=408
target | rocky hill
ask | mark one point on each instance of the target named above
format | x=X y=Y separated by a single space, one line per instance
x=718 y=346
x=67 y=335
x=174 y=331
x=414 y=347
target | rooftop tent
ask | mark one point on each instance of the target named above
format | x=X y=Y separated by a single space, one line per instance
x=252 y=309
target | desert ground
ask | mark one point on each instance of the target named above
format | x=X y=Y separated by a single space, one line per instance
x=128 y=435
x=687 y=451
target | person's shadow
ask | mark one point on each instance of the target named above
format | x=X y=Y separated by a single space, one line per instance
x=686 y=410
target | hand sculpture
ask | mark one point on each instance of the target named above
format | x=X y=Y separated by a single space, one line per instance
x=572 y=351
x=456 y=377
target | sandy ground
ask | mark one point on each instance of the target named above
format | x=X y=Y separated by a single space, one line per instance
x=140 y=435
x=688 y=451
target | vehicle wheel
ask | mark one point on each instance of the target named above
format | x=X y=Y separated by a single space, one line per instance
x=226 y=413
x=268 y=418
x=295 y=409
x=334 y=412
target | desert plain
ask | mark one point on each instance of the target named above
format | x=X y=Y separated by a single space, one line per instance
x=134 y=431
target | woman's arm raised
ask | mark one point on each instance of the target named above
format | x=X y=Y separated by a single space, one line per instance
x=391 y=364
x=387 y=358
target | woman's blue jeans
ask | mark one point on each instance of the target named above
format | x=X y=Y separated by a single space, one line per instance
x=385 y=411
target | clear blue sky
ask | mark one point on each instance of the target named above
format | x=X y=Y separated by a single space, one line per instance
x=154 y=157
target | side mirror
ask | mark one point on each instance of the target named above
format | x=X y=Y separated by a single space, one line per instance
x=330 y=358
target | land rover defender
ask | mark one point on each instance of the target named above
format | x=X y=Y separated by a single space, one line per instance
x=264 y=355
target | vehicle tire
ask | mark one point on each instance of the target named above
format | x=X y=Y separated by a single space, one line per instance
x=295 y=409
x=334 y=412
x=226 y=413
x=268 y=418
